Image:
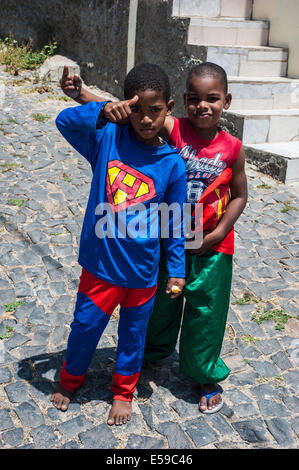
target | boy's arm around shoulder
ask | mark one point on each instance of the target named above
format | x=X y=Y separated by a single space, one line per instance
x=167 y=128
x=237 y=203
x=115 y=111
x=239 y=192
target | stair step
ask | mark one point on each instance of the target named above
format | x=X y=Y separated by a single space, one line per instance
x=280 y=159
x=212 y=9
x=250 y=61
x=263 y=93
x=264 y=125
x=227 y=32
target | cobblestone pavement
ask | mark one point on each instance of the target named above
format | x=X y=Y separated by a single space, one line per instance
x=44 y=186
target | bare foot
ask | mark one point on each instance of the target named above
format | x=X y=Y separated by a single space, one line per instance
x=61 y=398
x=120 y=412
x=212 y=401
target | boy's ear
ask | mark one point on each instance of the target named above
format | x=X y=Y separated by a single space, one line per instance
x=170 y=106
x=227 y=101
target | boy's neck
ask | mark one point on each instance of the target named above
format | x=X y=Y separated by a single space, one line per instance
x=156 y=142
x=207 y=134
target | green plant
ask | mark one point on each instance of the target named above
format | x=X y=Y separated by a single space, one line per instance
x=278 y=315
x=9 y=330
x=287 y=207
x=63 y=98
x=246 y=299
x=16 y=202
x=12 y=306
x=8 y=167
x=22 y=56
x=40 y=117
x=264 y=186
x=18 y=155
x=68 y=179
x=249 y=338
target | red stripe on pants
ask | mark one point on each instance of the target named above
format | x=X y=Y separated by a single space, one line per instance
x=107 y=296
x=124 y=386
x=70 y=382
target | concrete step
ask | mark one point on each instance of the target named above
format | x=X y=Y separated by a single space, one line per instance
x=227 y=32
x=263 y=93
x=213 y=9
x=264 y=125
x=280 y=159
x=250 y=61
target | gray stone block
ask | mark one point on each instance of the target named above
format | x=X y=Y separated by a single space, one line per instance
x=144 y=442
x=5 y=420
x=52 y=68
x=17 y=392
x=73 y=426
x=251 y=430
x=200 y=432
x=29 y=414
x=99 y=437
x=281 y=431
x=264 y=368
x=13 y=437
x=44 y=437
x=175 y=435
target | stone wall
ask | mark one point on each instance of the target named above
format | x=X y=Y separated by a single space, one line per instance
x=94 y=33
x=91 y=32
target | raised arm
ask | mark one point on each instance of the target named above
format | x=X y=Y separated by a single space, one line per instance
x=71 y=86
x=116 y=111
x=82 y=127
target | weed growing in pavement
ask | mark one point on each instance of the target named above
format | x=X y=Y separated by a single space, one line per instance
x=249 y=338
x=278 y=315
x=18 y=57
x=246 y=299
x=287 y=207
x=13 y=305
x=264 y=186
x=16 y=202
x=9 y=330
x=40 y=117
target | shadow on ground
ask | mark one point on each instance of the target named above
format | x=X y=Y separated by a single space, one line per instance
x=42 y=371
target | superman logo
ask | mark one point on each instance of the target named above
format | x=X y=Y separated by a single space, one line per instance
x=127 y=186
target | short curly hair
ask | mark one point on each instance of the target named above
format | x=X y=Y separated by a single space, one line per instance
x=209 y=69
x=147 y=77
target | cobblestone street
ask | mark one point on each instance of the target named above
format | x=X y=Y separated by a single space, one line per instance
x=44 y=187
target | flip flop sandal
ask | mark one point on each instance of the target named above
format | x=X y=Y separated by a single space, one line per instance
x=208 y=396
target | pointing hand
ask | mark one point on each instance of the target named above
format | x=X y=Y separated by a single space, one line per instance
x=70 y=84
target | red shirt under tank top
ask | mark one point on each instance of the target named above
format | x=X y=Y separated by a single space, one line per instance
x=206 y=160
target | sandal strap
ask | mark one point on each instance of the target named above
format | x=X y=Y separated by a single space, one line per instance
x=212 y=394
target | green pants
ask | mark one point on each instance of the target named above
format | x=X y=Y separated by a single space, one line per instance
x=207 y=297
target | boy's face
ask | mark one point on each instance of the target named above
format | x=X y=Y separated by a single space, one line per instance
x=148 y=115
x=205 y=100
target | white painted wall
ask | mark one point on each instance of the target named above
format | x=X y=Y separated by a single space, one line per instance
x=284 y=27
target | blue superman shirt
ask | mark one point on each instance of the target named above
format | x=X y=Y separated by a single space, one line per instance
x=121 y=245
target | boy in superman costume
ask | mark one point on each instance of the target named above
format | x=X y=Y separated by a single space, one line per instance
x=215 y=168
x=131 y=166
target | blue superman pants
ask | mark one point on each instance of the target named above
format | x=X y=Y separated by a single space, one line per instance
x=96 y=301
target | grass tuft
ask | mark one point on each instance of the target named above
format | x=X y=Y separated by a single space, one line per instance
x=18 y=57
